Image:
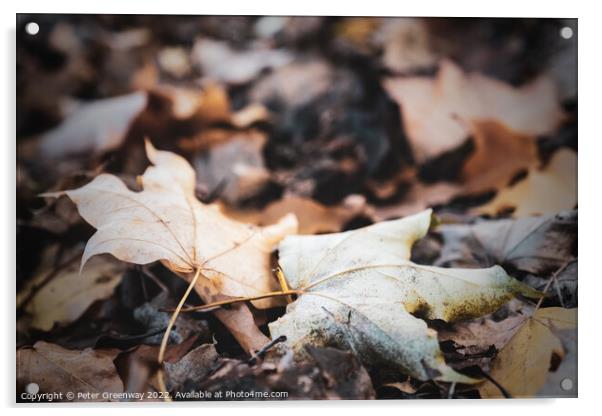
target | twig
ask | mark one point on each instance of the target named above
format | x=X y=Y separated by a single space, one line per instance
x=547 y=287
x=264 y=349
x=496 y=384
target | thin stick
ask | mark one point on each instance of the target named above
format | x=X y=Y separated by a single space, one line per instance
x=170 y=325
x=547 y=287
x=213 y=305
x=259 y=354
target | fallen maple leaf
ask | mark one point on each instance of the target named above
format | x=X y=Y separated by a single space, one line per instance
x=58 y=370
x=166 y=222
x=358 y=290
x=499 y=155
x=547 y=191
x=430 y=107
x=522 y=365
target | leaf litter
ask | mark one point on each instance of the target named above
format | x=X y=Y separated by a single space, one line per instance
x=362 y=137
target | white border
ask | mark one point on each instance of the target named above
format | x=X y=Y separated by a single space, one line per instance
x=590 y=157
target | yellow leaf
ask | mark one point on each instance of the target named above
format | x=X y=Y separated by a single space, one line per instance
x=69 y=294
x=545 y=192
x=522 y=365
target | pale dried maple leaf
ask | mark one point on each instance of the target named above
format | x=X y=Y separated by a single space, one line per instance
x=358 y=290
x=166 y=222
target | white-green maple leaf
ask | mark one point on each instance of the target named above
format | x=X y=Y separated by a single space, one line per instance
x=359 y=291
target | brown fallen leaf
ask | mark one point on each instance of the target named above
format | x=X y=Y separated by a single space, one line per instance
x=477 y=340
x=139 y=365
x=327 y=373
x=313 y=217
x=500 y=153
x=522 y=365
x=166 y=222
x=210 y=105
x=58 y=370
x=429 y=107
x=195 y=365
x=418 y=198
x=546 y=191
x=483 y=332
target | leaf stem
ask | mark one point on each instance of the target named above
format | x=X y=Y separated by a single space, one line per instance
x=213 y=305
x=170 y=325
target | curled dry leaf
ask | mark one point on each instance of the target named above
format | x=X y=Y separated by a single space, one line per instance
x=55 y=369
x=547 y=191
x=522 y=365
x=359 y=291
x=166 y=222
x=94 y=127
x=430 y=106
x=477 y=336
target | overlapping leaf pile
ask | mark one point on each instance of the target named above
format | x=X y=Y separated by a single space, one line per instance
x=302 y=163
